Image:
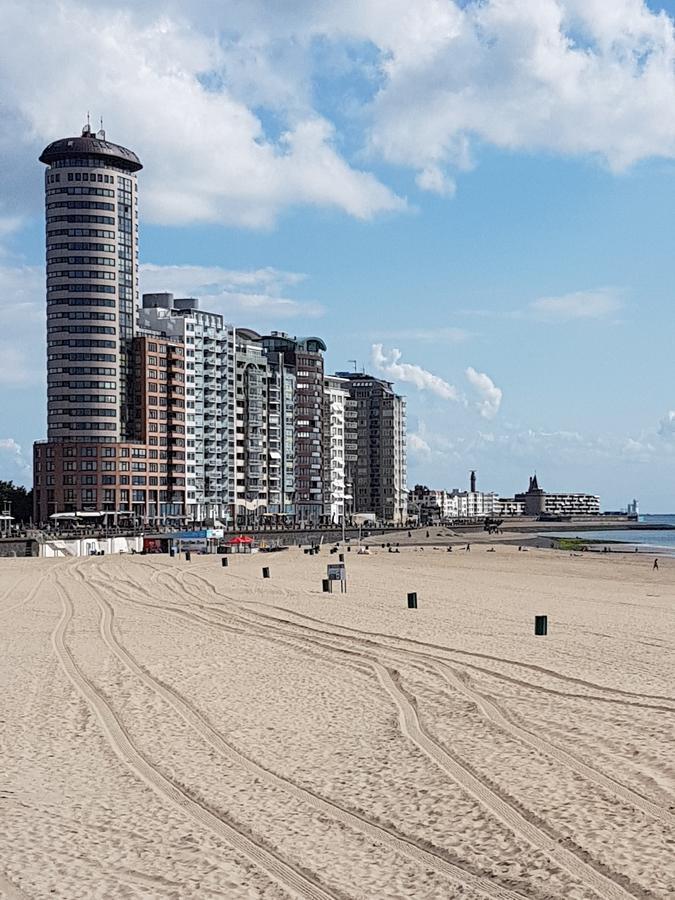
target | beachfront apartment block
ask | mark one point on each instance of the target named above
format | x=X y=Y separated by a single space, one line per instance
x=209 y=398
x=159 y=410
x=141 y=477
x=439 y=505
x=281 y=436
x=376 y=452
x=304 y=357
x=537 y=502
x=251 y=465
x=102 y=452
x=336 y=396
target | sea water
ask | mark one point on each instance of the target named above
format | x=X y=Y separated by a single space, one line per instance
x=643 y=540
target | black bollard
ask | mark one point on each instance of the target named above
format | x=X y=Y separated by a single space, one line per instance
x=265 y=572
x=341 y=557
x=412 y=601
x=349 y=549
x=326 y=586
x=187 y=556
x=224 y=562
x=541 y=625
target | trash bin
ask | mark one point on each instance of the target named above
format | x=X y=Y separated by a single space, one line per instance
x=540 y=625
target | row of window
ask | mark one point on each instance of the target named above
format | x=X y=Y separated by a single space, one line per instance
x=81 y=191
x=80 y=204
x=108 y=452
x=85 y=412
x=85 y=398
x=83 y=342
x=79 y=273
x=86 y=329
x=93 y=220
x=79 y=385
x=78 y=232
x=88 y=426
x=91 y=465
x=83 y=370
x=82 y=245
x=85 y=357
x=81 y=288
x=86 y=162
x=95 y=316
x=82 y=260
x=82 y=162
x=81 y=301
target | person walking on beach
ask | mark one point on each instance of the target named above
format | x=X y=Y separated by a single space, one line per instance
x=656 y=564
x=468 y=547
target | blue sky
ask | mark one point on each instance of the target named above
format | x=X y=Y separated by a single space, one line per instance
x=473 y=200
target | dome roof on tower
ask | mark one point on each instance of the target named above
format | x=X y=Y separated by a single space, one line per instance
x=92 y=145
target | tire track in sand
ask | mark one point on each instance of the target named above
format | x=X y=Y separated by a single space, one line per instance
x=411 y=728
x=379 y=833
x=494 y=714
x=281 y=872
x=32 y=593
x=431 y=665
x=571 y=861
x=179 y=575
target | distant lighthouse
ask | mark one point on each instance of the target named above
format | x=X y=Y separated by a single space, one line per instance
x=473 y=482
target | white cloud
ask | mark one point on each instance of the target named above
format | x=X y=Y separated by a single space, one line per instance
x=597 y=304
x=220 y=100
x=22 y=324
x=417 y=445
x=667 y=426
x=255 y=293
x=490 y=396
x=568 y=76
x=389 y=363
x=12 y=459
x=162 y=86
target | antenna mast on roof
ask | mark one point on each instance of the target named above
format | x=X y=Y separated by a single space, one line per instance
x=352 y=361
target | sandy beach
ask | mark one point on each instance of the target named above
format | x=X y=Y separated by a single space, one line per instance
x=177 y=729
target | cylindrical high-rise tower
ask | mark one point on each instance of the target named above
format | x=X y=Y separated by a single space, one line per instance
x=92 y=286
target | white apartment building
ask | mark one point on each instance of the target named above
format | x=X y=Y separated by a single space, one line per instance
x=472 y=504
x=209 y=400
x=508 y=506
x=336 y=395
x=455 y=504
x=251 y=469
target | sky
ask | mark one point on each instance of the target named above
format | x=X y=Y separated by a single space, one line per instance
x=473 y=200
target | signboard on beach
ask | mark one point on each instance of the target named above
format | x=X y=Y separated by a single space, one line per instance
x=337 y=572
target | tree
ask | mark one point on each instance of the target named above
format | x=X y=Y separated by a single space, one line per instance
x=20 y=498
